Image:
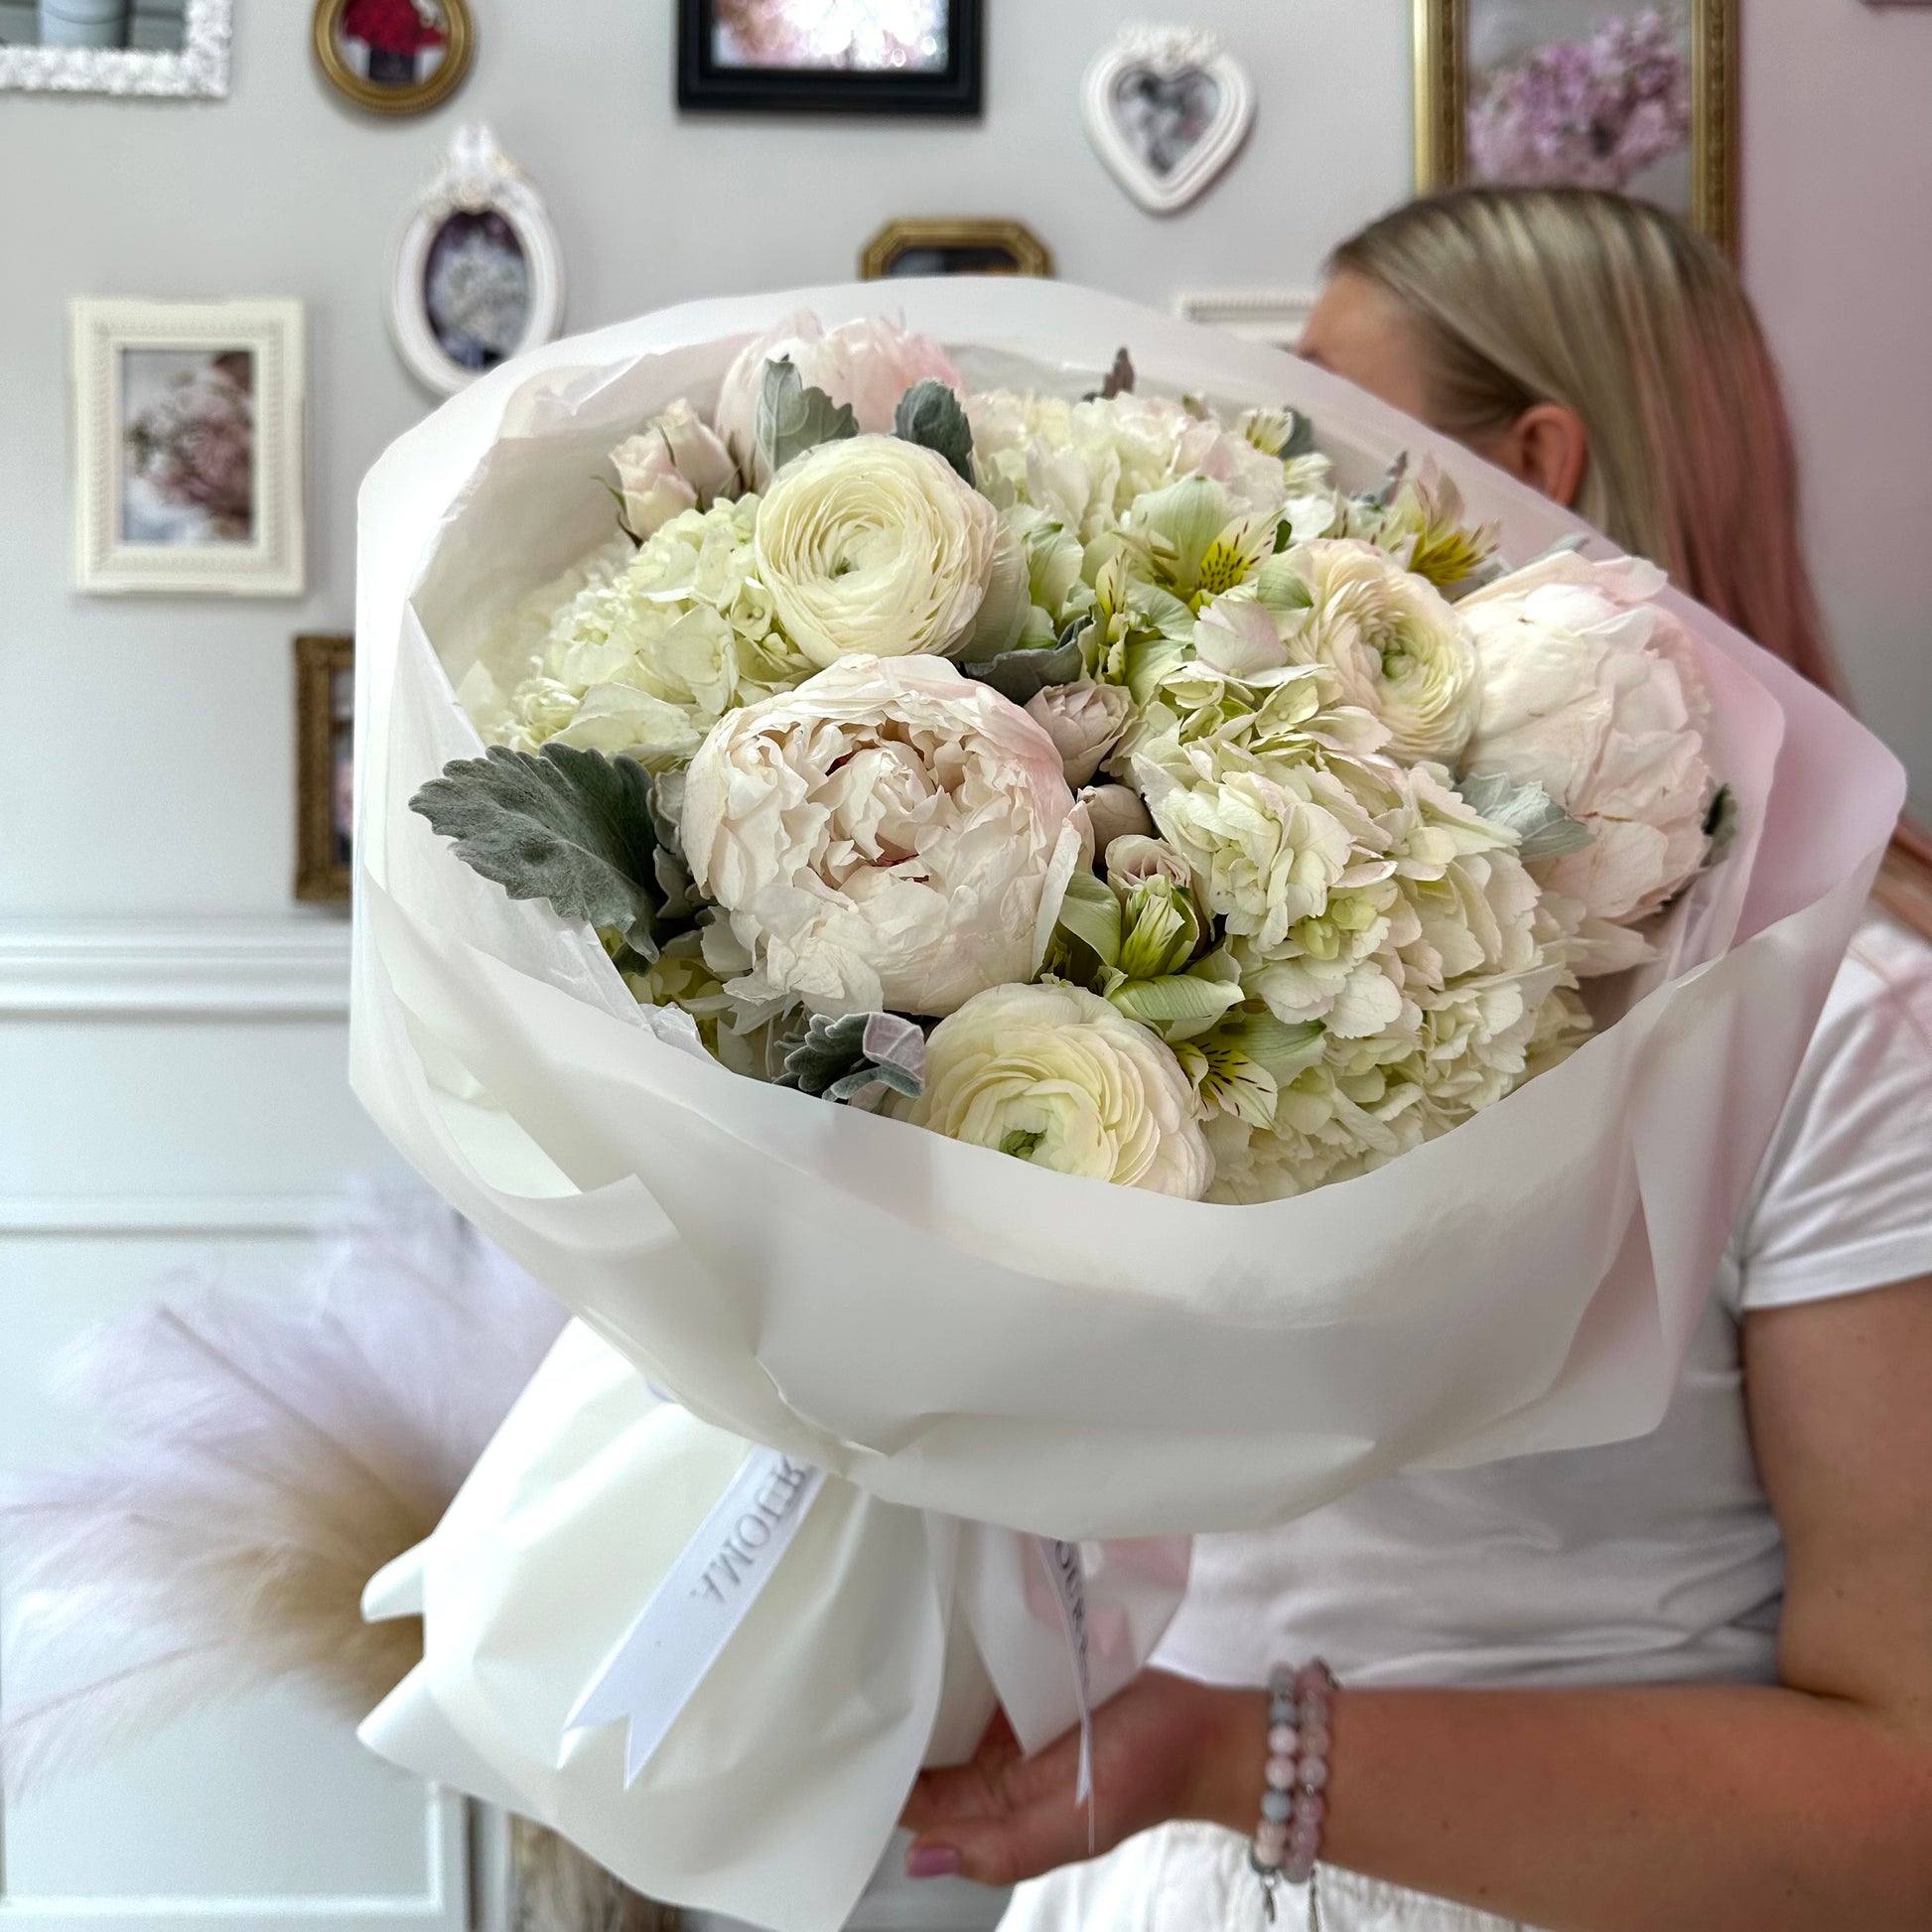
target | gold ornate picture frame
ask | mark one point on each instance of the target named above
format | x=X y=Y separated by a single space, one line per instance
x=950 y=245
x=324 y=744
x=1449 y=32
x=391 y=59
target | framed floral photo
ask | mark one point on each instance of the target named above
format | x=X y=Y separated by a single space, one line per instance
x=835 y=56
x=921 y=246
x=393 y=56
x=478 y=273
x=189 y=448
x=1635 y=95
x=325 y=768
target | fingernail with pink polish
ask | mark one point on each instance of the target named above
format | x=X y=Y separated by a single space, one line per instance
x=931 y=1862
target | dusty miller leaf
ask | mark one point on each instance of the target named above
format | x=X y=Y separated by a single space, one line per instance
x=1301 y=439
x=838 y=1059
x=572 y=827
x=929 y=415
x=1020 y=674
x=1543 y=828
x=793 y=418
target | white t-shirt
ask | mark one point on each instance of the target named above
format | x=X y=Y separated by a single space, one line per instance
x=1655 y=1560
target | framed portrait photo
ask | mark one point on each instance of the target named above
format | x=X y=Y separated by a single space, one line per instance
x=832 y=56
x=1635 y=95
x=393 y=56
x=478 y=273
x=175 y=47
x=950 y=246
x=325 y=768
x=188 y=448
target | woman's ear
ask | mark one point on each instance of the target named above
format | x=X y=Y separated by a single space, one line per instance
x=1546 y=446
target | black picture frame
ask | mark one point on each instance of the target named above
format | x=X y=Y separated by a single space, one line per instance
x=703 y=87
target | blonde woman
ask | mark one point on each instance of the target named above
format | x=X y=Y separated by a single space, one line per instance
x=1676 y=1685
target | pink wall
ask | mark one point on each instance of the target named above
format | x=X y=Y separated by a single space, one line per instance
x=1837 y=250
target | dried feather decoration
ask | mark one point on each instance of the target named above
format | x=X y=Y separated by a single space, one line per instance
x=264 y=1459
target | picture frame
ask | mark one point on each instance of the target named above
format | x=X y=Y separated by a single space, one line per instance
x=718 y=73
x=394 y=57
x=953 y=245
x=1274 y=317
x=189 y=448
x=477 y=273
x=324 y=746
x=174 y=50
x=1702 y=184
x=1167 y=110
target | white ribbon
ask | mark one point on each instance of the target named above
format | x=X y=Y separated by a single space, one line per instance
x=681 y=1633
x=1069 y=1578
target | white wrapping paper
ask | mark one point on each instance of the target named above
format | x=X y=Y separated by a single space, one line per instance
x=947 y=1330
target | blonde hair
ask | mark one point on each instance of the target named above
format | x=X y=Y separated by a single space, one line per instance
x=1630 y=317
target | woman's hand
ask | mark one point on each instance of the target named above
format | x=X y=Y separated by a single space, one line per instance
x=1166 y=1747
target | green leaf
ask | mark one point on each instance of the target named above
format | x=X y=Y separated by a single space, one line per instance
x=1720 y=824
x=793 y=419
x=1544 y=830
x=1020 y=674
x=1181 y=1004
x=1301 y=439
x=929 y=415
x=1118 y=381
x=1091 y=913
x=572 y=827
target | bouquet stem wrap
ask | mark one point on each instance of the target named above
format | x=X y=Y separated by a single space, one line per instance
x=960 y=1339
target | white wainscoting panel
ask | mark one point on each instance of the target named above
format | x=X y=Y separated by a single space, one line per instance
x=173 y=1108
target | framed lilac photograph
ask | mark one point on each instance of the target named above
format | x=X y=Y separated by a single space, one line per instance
x=830 y=57
x=1634 y=95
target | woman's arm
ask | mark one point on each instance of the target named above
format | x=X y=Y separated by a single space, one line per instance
x=1800 y=1808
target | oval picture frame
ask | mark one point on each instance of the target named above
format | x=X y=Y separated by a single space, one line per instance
x=395 y=95
x=480 y=221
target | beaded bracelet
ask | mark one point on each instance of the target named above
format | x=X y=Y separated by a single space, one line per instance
x=1288 y=1841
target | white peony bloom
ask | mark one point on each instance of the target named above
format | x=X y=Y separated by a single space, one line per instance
x=1084 y=720
x=1390 y=637
x=676 y=464
x=1588 y=690
x=1058 y=1077
x=874 y=547
x=889 y=836
x=869 y=364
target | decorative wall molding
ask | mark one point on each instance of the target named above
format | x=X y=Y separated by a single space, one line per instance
x=133 y=1216
x=180 y=969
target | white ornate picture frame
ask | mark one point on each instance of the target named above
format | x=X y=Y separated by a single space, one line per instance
x=1166 y=109
x=198 y=70
x=478 y=275
x=189 y=448
x=1275 y=317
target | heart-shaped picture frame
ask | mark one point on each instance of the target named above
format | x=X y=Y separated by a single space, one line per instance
x=1167 y=108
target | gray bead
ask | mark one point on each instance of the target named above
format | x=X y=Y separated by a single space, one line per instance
x=1276 y=1806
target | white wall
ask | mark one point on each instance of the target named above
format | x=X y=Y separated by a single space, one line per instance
x=180 y=1096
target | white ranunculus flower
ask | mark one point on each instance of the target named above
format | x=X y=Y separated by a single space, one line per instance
x=1058 y=1077
x=1084 y=720
x=889 y=836
x=674 y=465
x=1589 y=690
x=869 y=364
x=877 y=548
x=1392 y=638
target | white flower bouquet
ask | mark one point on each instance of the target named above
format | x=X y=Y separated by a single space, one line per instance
x=938 y=791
